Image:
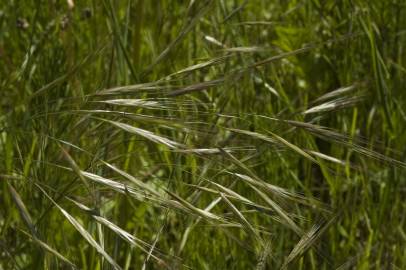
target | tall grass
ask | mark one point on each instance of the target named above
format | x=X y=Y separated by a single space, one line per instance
x=202 y=134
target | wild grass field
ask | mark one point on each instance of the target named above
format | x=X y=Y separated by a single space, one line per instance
x=203 y=134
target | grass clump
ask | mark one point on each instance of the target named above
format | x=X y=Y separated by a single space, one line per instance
x=202 y=135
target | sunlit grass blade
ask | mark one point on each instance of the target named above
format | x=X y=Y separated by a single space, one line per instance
x=122 y=233
x=51 y=250
x=304 y=243
x=333 y=105
x=85 y=234
x=147 y=134
x=249 y=228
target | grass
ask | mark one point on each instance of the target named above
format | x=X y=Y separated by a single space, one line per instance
x=202 y=134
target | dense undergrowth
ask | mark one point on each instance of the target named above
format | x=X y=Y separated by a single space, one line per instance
x=202 y=134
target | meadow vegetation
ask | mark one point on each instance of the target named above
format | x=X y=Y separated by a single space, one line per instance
x=203 y=134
